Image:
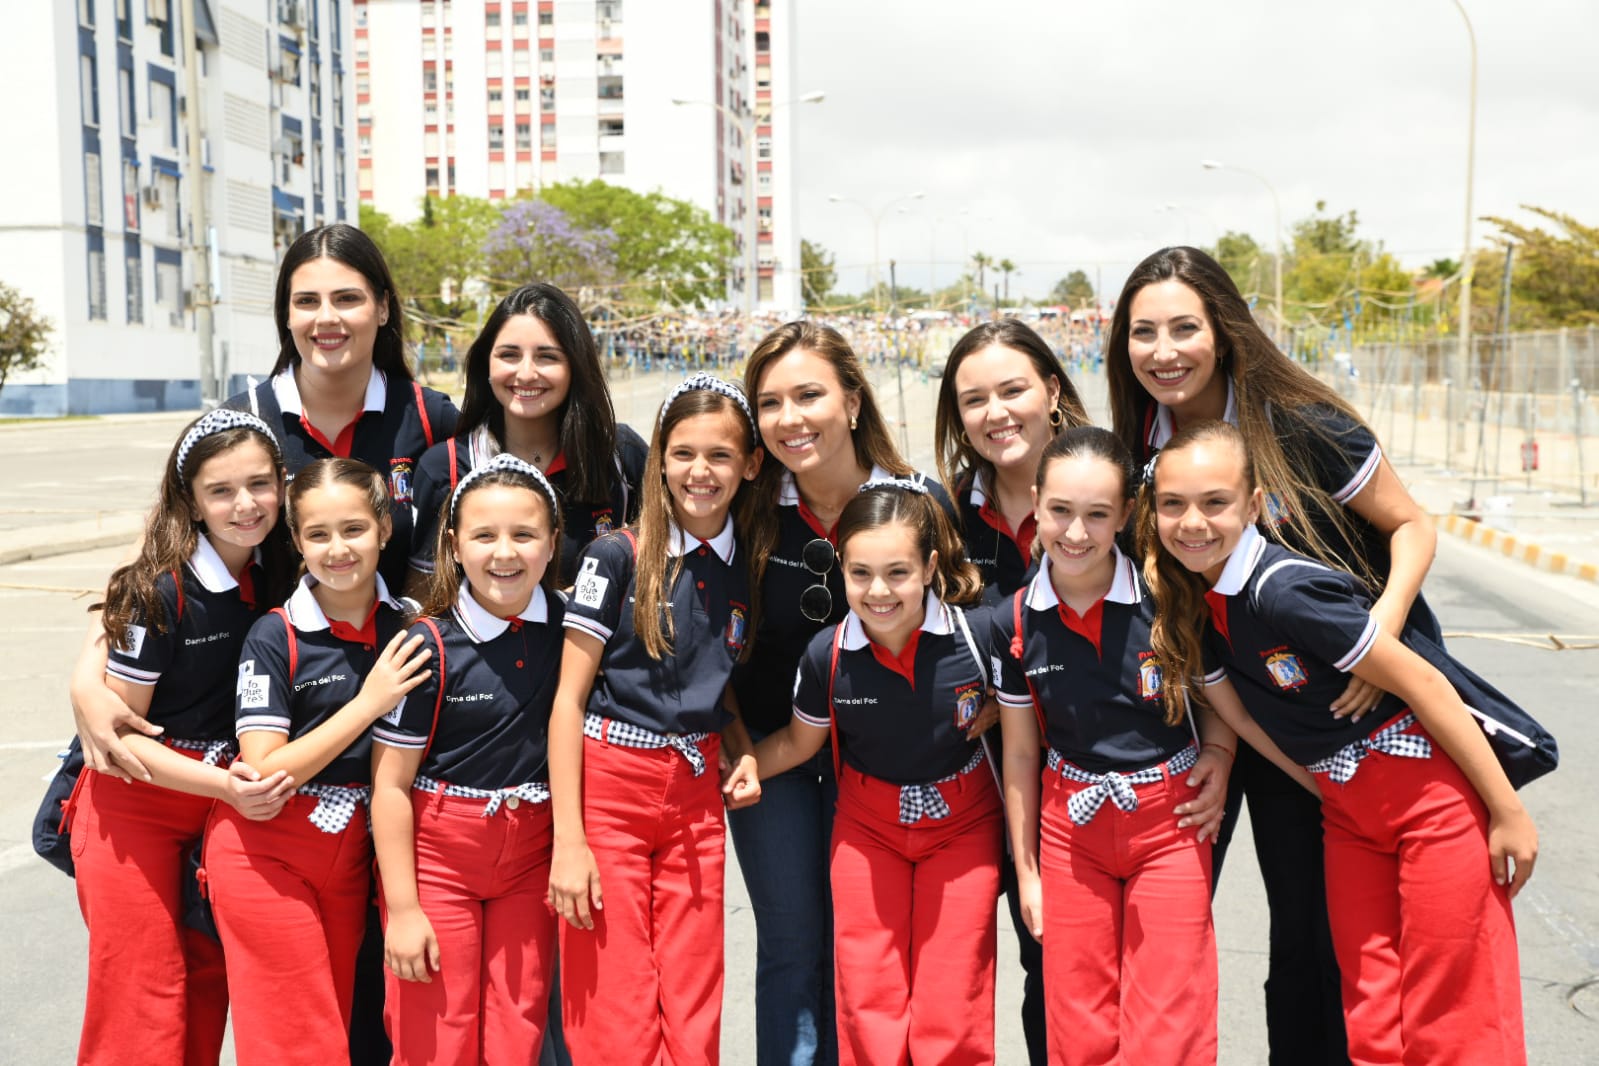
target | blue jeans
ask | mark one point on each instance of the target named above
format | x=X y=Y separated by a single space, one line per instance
x=782 y=845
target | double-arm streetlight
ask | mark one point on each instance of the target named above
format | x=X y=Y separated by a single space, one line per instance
x=877 y=222
x=746 y=120
x=1277 y=235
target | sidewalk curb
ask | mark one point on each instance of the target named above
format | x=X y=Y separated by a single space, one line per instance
x=111 y=533
x=1511 y=547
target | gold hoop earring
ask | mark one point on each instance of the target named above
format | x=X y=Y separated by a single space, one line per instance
x=967 y=441
x=1057 y=418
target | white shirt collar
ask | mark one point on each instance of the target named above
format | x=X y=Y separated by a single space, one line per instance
x=979 y=487
x=1041 y=594
x=1241 y=563
x=306 y=614
x=482 y=626
x=724 y=544
x=208 y=567
x=788 y=492
x=936 y=619
x=288 y=393
x=1161 y=427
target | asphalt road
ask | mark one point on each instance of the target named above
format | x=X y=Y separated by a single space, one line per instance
x=109 y=466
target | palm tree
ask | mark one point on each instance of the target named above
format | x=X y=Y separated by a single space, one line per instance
x=982 y=262
x=1007 y=268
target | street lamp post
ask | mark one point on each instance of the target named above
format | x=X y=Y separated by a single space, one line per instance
x=746 y=121
x=1277 y=234
x=877 y=222
x=1463 y=358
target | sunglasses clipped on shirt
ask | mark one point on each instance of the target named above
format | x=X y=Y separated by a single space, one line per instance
x=816 y=602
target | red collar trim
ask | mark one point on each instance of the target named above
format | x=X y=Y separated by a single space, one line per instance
x=367 y=633
x=903 y=664
x=810 y=519
x=1218 y=613
x=246 y=580
x=1022 y=538
x=340 y=445
x=557 y=465
x=1088 y=625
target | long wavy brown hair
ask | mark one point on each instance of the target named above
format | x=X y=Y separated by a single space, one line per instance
x=1266 y=383
x=874 y=444
x=955 y=579
x=1177 y=634
x=443 y=587
x=171 y=534
x=957 y=459
x=657 y=570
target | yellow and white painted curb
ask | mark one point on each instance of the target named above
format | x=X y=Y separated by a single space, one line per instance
x=1515 y=548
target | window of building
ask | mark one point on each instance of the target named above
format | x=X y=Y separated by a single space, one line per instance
x=430 y=143
x=547 y=135
x=125 y=109
x=163 y=113
x=360 y=16
x=430 y=111
x=610 y=127
x=608 y=9
x=89 y=87
x=427 y=14
x=124 y=21
x=288 y=61
x=763 y=183
x=764 y=215
x=130 y=195
x=449 y=80
x=610 y=87
x=491 y=20
x=763 y=41
x=133 y=278
x=430 y=79
x=546 y=55
x=524 y=136
x=496 y=176
x=763 y=148
x=521 y=63
x=362 y=47
x=763 y=77
x=169 y=291
x=363 y=82
x=431 y=179
x=611 y=163
x=546 y=98
x=524 y=96
x=158 y=10
x=429 y=48
x=519 y=23
x=92 y=190
x=97 y=283
x=496 y=138
x=494 y=63
x=167 y=186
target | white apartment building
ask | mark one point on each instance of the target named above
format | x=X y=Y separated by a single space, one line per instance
x=95 y=217
x=497 y=98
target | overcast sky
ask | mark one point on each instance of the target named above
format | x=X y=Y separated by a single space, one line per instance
x=1064 y=128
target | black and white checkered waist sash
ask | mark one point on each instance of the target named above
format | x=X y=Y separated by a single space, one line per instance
x=335 y=804
x=627 y=735
x=926 y=801
x=534 y=792
x=1114 y=785
x=1391 y=739
x=213 y=752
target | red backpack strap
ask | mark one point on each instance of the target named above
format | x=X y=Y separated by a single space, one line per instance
x=422 y=410
x=177 y=583
x=455 y=467
x=294 y=645
x=632 y=541
x=438 y=700
x=832 y=713
x=1017 y=644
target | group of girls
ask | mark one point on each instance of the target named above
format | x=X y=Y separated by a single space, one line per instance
x=767 y=612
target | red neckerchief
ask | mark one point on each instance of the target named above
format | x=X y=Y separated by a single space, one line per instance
x=1218 y=613
x=1087 y=625
x=367 y=633
x=903 y=664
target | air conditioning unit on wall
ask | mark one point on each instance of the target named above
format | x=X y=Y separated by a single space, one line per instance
x=152 y=196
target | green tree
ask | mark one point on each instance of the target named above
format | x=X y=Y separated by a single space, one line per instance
x=817 y=272
x=665 y=248
x=982 y=262
x=1244 y=260
x=24 y=334
x=1554 y=276
x=1333 y=275
x=1006 y=269
x=1074 y=290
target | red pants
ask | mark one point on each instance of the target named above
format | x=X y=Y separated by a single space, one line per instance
x=1425 y=939
x=914 y=923
x=482 y=883
x=645 y=984
x=290 y=902
x=157 y=989
x=1129 y=949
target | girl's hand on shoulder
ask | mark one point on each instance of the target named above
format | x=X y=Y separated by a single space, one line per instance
x=397 y=671
x=410 y=949
x=1512 y=839
x=574 y=885
x=741 y=783
x=986 y=718
x=255 y=798
x=1206 y=809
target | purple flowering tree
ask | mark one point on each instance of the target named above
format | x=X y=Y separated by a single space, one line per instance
x=537 y=241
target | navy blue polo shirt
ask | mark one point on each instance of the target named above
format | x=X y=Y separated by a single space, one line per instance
x=764 y=683
x=500 y=677
x=1287 y=630
x=584 y=521
x=1004 y=556
x=331 y=664
x=191 y=664
x=1097 y=677
x=682 y=691
x=1339 y=455
x=890 y=728
x=394 y=428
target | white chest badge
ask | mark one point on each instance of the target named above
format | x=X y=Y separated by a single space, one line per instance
x=590 y=587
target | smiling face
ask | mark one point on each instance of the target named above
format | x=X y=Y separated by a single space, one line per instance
x=804 y=412
x=236 y=495
x=1173 y=348
x=529 y=374
x=1081 y=506
x=703 y=461
x=885 y=581
x=502 y=539
x=339 y=536
x=1203 y=505
x=334 y=316
x=1004 y=406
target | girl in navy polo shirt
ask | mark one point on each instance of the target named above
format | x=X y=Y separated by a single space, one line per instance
x=1421 y=824
x=656 y=620
x=535 y=389
x=175 y=619
x=1112 y=856
x=460 y=817
x=291 y=895
x=917 y=839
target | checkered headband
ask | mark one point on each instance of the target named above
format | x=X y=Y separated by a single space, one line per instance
x=218 y=421
x=508 y=463
x=700 y=380
x=903 y=484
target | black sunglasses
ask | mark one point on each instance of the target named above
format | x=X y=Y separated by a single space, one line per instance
x=816 y=602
